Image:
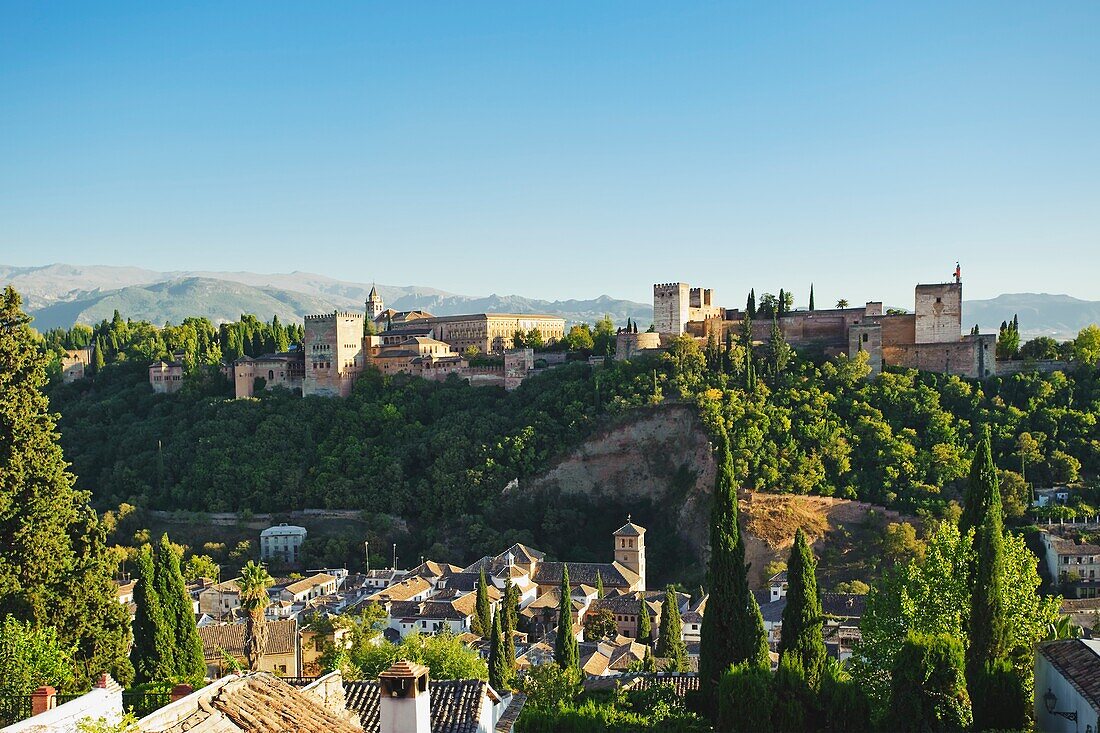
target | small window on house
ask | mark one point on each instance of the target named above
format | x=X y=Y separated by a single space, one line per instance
x=939 y=300
x=864 y=338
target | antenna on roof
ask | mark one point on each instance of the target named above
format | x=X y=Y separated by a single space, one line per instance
x=628 y=518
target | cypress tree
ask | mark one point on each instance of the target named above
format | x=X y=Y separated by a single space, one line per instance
x=99 y=360
x=746 y=698
x=499 y=672
x=186 y=651
x=746 y=342
x=483 y=616
x=811 y=296
x=780 y=305
x=508 y=624
x=802 y=617
x=750 y=304
x=732 y=631
x=565 y=645
x=670 y=641
x=599 y=585
x=153 y=639
x=982 y=486
x=645 y=629
x=778 y=349
x=927 y=686
x=987 y=668
x=54 y=567
x=793 y=696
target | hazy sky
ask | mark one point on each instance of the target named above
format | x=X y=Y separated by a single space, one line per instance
x=560 y=149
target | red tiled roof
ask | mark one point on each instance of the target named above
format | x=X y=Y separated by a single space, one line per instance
x=1078 y=664
x=455 y=704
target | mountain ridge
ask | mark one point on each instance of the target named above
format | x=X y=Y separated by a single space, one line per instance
x=59 y=295
x=62 y=294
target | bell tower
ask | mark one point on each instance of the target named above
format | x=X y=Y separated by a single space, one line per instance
x=629 y=542
x=374 y=304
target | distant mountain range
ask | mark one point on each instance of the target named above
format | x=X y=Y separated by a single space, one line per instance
x=61 y=295
x=1040 y=314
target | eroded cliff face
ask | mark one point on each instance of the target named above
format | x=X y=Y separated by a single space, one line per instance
x=660 y=460
x=661 y=455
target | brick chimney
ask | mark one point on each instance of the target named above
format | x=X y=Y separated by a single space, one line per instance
x=403 y=699
x=43 y=699
x=180 y=691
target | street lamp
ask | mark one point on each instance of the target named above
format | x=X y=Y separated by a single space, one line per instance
x=1050 y=700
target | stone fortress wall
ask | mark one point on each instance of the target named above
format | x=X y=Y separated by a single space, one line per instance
x=929 y=339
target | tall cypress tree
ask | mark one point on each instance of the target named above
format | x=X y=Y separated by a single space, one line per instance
x=186 y=652
x=670 y=640
x=988 y=624
x=499 y=673
x=733 y=631
x=802 y=617
x=645 y=628
x=483 y=611
x=811 y=296
x=153 y=640
x=599 y=585
x=54 y=567
x=565 y=645
x=750 y=304
x=99 y=359
x=746 y=343
x=508 y=624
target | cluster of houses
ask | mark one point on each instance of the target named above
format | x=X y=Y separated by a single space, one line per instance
x=436 y=597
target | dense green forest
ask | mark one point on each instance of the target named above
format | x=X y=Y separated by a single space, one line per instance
x=440 y=455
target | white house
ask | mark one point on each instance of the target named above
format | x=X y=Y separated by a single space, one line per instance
x=306 y=589
x=1067 y=686
x=282 y=542
x=1069 y=561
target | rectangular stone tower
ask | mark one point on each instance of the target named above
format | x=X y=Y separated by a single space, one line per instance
x=939 y=313
x=334 y=353
x=671 y=303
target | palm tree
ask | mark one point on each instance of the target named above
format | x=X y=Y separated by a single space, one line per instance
x=842 y=303
x=254 y=583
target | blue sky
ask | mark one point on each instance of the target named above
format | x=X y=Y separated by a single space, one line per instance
x=562 y=149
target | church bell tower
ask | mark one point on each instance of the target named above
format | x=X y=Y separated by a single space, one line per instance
x=629 y=543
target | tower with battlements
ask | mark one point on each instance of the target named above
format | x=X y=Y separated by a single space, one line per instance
x=333 y=353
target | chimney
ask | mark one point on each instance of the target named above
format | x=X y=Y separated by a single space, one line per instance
x=180 y=691
x=403 y=699
x=43 y=699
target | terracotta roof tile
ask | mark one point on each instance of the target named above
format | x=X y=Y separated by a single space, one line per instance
x=455 y=704
x=1079 y=664
x=254 y=703
x=282 y=638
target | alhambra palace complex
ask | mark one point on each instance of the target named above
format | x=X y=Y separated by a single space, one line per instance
x=340 y=345
x=929 y=339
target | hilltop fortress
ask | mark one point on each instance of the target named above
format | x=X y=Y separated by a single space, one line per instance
x=338 y=347
x=929 y=339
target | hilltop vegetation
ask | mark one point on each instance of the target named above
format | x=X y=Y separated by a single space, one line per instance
x=441 y=455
